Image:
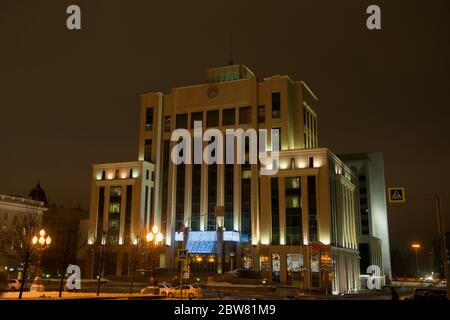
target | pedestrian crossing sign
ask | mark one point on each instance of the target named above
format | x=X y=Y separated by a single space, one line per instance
x=396 y=195
x=182 y=254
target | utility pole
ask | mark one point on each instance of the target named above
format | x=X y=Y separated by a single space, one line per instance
x=135 y=261
x=443 y=242
x=102 y=257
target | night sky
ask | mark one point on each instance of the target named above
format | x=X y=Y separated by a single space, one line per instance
x=69 y=99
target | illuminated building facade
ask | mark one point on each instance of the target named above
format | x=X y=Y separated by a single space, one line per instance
x=373 y=227
x=298 y=226
x=119 y=213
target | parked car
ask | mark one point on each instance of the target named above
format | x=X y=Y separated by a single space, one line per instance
x=442 y=284
x=164 y=288
x=245 y=276
x=13 y=285
x=189 y=291
x=428 y=294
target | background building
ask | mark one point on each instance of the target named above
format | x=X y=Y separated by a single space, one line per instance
x=298 y=226
x=373 y=226
x=13 y=209
x=64 y=225
x=120 y=213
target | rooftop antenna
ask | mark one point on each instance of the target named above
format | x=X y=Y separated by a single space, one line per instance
x=230 y=62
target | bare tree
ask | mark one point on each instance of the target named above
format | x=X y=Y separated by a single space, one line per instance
x=19 y=241
x=69 y=250
x=102 y=247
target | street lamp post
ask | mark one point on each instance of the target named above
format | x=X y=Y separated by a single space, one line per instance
x=40 y=244
x=154 y=239
x=416 y=247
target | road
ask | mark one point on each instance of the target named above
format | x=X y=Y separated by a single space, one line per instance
x=233 y=293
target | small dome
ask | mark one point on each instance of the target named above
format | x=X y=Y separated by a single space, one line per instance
x=38 y=194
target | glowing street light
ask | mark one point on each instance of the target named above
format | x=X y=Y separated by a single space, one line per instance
x=40 y=244
x=416 y=247
x=154 y=239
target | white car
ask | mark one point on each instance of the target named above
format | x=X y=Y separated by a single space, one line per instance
x=164 y=288
x=189 y=291
x=13 y=285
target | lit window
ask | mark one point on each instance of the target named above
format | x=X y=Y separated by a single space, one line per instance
x=114 y=207
x=116 y=191
x=246 y=174
x=292 y=201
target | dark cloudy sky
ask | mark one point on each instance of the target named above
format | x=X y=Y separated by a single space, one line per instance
x=69 y=99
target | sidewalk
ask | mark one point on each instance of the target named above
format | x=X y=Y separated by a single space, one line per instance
x=54 y=295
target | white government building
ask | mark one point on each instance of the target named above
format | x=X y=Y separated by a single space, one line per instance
x=299 y=227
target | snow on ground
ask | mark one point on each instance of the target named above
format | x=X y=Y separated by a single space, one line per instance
x=68 y=295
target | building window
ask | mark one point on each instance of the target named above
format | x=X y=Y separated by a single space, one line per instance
x=229 y=197
x=276 y=105
x=212 y=196
x=276 y=136
x=149 y=119
x=246 y=203
x=147 y=174
x=245 y=115
x=229 y=117
x=103 y=175
x=196 y=196
x=165 y=183
x=212 y=118
x=292 y=201
x=181 y=121
x=196 y=116
x=128 y=203
x=115 y=192
x=276 y=267
x=131 y=173
x=179 y=207
x=312 y=207
x=294 y=266
x=115 y=197
x=101 y=206
x=148 y=150
x=311 y=162
x=293 y=211
x=114 y=207
x=261 y=114
x=146 y=206
x=167 y=123
x=246 y=173
x=275 y=211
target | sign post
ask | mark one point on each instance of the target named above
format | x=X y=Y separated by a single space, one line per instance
x=183 y=257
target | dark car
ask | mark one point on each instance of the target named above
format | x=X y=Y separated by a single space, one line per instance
x=429 y=294
x=244 y=276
